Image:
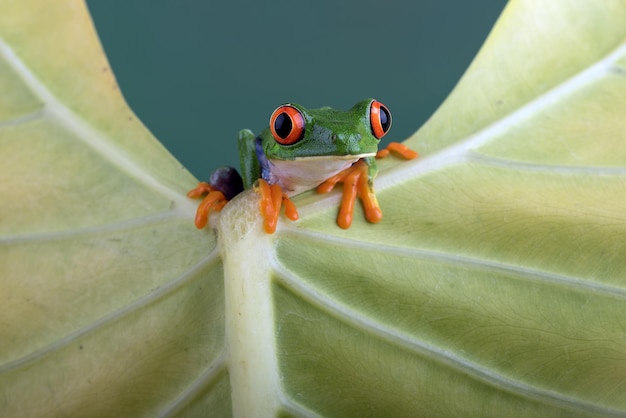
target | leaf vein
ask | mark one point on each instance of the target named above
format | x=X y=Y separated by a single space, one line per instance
x=433 y=352
x=114 y=315
x=91 y=136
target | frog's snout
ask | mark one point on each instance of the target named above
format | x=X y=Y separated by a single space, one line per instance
x=355 y=138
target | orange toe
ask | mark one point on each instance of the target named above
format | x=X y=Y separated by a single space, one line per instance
x=271 y=201
x=355 y=184
x=399 y=149
x=201 y=189
x=214 y=200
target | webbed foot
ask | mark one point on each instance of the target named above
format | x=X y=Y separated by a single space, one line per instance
x=355 y=183
x=214 y=200
x=224 y=184
x=399 y=149
x=271 y=201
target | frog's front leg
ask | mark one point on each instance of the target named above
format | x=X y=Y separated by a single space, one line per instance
x=253 y=163
x=358 y=181
x=399 y=149
x=271 y=201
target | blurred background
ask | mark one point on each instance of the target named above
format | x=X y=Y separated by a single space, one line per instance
x=198 y=71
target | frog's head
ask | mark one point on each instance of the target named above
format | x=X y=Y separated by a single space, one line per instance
x=296 y=132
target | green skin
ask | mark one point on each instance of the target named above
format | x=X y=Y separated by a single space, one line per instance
x=333 y=140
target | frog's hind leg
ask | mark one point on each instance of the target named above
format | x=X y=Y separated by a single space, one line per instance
x=224 y=184
x=228 y=181
x=213 y=200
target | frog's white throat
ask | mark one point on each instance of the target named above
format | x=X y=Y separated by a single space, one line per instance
x=305 y=173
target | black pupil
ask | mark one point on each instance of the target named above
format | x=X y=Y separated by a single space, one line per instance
x=385 y=118
x=283 y=125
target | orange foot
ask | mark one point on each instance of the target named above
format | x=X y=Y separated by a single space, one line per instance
x=355 y=183
x=272 y=199
x=214 y=199
x=399 y=149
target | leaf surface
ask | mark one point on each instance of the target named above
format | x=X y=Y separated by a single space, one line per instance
x=112 y=302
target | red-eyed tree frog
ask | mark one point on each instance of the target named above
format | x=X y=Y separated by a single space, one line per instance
x=305 y=149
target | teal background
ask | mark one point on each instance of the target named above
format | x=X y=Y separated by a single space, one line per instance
x=198 y=71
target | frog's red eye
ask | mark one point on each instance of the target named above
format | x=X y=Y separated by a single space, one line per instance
x=287 y=125
x=380 y=119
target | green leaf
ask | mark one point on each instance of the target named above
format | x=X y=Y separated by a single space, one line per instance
x=493 y=286
x=111 y=301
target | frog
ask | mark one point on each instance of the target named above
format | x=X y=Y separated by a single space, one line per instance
x=304 y=149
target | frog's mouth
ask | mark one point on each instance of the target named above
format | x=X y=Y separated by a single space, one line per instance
x=352 y=157
x=305 y=173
